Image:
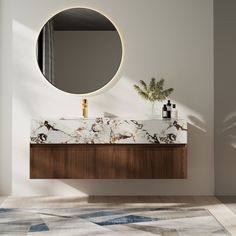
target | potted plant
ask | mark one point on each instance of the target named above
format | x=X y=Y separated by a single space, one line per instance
x=154 y=92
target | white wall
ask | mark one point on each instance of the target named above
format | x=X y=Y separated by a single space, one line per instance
x=162 y=38
x=5 y=98
x=225 y=97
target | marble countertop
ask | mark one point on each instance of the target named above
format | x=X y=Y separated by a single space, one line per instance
x=108 y=131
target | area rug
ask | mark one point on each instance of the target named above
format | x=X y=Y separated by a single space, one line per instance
x=109 y=221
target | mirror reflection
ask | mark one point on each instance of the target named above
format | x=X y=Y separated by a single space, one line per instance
x=79 y=50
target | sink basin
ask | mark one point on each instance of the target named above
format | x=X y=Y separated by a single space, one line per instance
x=103 y=130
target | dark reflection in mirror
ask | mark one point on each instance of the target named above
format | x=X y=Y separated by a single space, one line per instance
x=79 y=50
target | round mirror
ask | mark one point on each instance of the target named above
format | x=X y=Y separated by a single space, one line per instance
x=79 y=50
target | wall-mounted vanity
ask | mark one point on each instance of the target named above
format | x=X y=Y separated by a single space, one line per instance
x=106 y=148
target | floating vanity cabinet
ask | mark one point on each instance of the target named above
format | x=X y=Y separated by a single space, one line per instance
x=105 y=148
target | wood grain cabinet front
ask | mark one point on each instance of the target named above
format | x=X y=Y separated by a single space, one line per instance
x=108 y=161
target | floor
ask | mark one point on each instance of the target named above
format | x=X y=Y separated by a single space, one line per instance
x=229 y=201
x=223 y=208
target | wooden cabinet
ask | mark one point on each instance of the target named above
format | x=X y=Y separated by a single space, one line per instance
x=108 y=161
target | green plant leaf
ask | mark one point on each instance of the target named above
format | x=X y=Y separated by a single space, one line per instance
x=154 y=92
x=144 y=85
x=142 y=93
x=160 y=84
x=152 y=84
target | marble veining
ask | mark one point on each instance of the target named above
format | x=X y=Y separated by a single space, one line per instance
x=108 y=131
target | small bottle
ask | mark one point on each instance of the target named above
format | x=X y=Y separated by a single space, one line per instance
x=174 y=112
x=164 y=112
x=168 y=105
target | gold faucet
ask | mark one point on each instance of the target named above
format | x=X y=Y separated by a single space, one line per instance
x=85 y=108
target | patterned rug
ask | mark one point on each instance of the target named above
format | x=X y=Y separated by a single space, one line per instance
x=109 y=221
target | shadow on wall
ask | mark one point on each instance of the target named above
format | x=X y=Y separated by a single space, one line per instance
x=229 y=130
x=225 y=147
